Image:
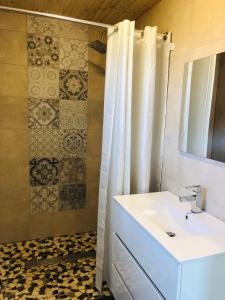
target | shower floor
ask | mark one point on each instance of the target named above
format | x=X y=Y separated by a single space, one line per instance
x=53 y=268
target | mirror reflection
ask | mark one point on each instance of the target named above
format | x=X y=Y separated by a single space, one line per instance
x=202 y=130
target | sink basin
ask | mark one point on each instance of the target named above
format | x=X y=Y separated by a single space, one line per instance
x=169 y=218
x=152 y=239
x=164 y=217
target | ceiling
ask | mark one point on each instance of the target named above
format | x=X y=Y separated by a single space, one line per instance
x=105 y=11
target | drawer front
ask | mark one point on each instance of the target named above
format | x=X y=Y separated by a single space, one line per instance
x=118 y=288
x=157 y=263
x=138 y=284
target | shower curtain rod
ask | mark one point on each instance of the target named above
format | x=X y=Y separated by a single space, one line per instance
x=64 y=18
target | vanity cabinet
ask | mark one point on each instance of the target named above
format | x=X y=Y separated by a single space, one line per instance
x=142 y=269
x=134 y=277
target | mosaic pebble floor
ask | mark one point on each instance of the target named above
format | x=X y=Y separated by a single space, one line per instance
x=60 y=280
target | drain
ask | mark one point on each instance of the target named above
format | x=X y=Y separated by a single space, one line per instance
x=171 y=234
x=66 y=258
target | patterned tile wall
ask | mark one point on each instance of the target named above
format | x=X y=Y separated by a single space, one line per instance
x=57 y=113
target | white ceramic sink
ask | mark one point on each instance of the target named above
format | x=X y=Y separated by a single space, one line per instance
x=159 y=213
x=169 y=216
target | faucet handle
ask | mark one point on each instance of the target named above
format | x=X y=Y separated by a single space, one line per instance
x=199 y=195
x=194 y=188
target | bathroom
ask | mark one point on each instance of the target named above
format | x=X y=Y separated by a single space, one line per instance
x=111 y=138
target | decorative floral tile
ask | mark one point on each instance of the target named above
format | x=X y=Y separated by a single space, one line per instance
x=42 y=50
x=43 y=113
x=72 y=196
x=73 y=54
x=74 y=30
x=44 y=171
x=73 y=143
x=44 y=199
x=43 y=25
x=73 y=85
x=72 y=170
x=43 y=82
x=44 y=143
x=73 y=114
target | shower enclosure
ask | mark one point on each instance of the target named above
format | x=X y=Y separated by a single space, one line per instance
x=51 y=91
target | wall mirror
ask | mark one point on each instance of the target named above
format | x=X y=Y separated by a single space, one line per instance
x=202 y=128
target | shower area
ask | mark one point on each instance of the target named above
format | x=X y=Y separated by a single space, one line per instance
x=51 y=93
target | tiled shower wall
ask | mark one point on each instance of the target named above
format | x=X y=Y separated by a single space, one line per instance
x=57 y=113
x=51 y=96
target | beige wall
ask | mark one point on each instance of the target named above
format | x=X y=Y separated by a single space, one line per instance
x=14 y=206
x=198 y=28
x=16 y=220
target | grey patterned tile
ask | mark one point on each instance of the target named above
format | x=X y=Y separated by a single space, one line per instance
x=43 y=82
x=72 y=196
x=44 y=199
x=74 y=30
x=43 y=26
x=73 y=143
x=73 y=114
x=73 y=85
x=43 y=113
x=44 y=143
x=72 y=170
x=73 y=54
x=44 y=171
x=42 y=50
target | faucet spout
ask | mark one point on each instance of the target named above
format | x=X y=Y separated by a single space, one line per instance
x=195 y=197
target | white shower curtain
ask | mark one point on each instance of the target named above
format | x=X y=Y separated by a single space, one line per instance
x=116 y=143
x=127 y=127
x=143 y=92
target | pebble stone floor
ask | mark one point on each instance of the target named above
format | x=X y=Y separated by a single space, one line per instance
x=59 y=280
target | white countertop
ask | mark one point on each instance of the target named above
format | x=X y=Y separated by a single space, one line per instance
x=199 y=236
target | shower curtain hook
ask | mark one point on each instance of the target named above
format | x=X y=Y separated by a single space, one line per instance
x=165 y=35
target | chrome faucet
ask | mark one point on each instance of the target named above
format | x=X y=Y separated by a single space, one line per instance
x=195 y=198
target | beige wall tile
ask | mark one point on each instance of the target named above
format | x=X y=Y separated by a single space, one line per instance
x=96 y=60
x=13 y=49
x=93 y=168
x=66 y=222
x=11 y=209
x=14 y=181
x=15 y=229
x=13 y=80
x=73 y=30
x=92 y=189
x=15 y=174
x=12 y=21
x=13 y=112
x=95 y=115
x=14 y=195
x=13 y=171
x=96 y=82
x=14 y=144
x=94 y=142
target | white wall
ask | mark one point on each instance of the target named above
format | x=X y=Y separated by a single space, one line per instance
x=198 y=28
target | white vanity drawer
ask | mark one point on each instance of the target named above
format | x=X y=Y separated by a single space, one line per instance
x=118 y=288
x=138 y=284
x=158 y=264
